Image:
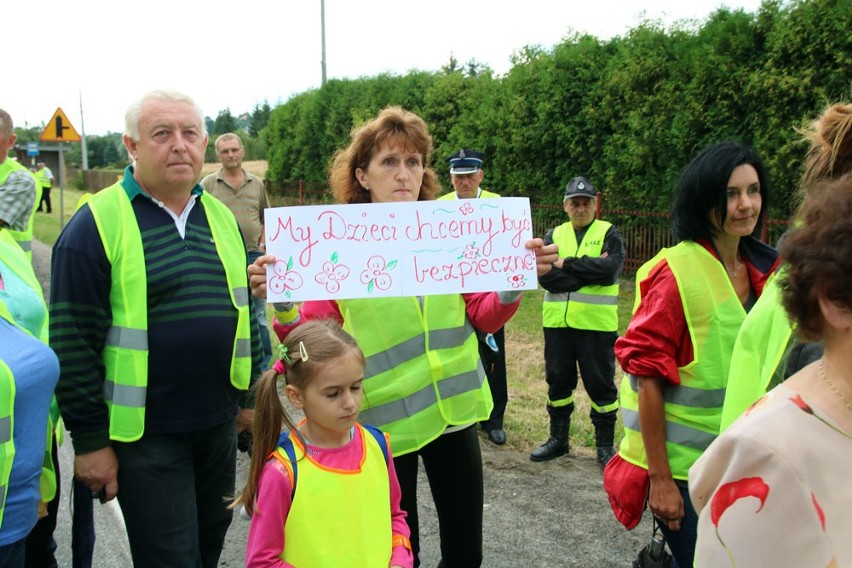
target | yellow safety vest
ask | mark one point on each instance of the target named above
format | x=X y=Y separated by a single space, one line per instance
x=25 y=237
x=7 y=427
x=42 y=179
x=125 y=354
x=758 y=351
x=358 y=534
x=591 y=307
x=693 y=409
x=14 y=257
x=422 y=366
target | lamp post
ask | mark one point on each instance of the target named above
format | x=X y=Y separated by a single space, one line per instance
x=322 y=25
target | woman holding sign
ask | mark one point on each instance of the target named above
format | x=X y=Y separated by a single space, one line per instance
x=424 y=384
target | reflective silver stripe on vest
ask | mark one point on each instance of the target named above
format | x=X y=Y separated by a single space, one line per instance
x=561 y=297
x=596 y=299
x=5 y=429
x=675 y=433
x=127 y=337
x=688 y=396
x=243 y=348
x=125 y=395
x=407 y=350
x=450 y=338
x=241 y=296
x=390 y=358
x=26 y=245
x=422 y=399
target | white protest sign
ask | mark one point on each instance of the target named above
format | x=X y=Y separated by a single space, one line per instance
x=333 y=252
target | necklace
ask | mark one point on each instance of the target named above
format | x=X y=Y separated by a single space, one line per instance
x=830 y=385
x=737 y=266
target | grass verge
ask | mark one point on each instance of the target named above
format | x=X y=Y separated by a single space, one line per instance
x=526 y=421
x=46 y=227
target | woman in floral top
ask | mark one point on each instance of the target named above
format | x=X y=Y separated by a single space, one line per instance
x=773 y=490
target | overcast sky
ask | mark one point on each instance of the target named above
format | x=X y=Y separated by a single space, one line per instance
x=239 y=53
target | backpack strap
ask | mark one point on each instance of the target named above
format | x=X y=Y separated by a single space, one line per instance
x=380 y=439
x=286 y=444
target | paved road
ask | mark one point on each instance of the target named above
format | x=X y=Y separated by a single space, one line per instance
x=551 y=514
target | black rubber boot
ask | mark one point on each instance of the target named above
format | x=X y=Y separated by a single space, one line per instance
x=557 y=444
x=605 y=453
x=604 y=436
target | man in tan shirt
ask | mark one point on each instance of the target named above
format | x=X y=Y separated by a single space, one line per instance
x=245 y=195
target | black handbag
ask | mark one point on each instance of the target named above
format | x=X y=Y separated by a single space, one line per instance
x=654 y=554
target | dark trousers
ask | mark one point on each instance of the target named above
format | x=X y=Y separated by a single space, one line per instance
x=12 y=555
x=40 y=544
x=564 y=350
x=172 y=489
x=495 y=370
x=82 y=525
x=45 y=199
x=682 y=542
x=453 y=464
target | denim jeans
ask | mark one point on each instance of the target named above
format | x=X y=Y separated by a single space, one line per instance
x=172 y=489
x=682 y=542
x=258 y=306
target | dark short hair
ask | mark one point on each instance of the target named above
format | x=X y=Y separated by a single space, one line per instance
x=702 y=190
x=818 y=255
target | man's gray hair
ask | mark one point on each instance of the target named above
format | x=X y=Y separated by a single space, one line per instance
x=131 y=117
x=225 y=137
x=8 y=129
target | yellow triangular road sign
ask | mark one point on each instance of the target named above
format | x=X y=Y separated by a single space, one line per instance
x=59 y=129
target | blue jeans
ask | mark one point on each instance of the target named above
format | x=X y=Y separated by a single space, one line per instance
x=172 y=489
x=682 y=542
x=258 y=306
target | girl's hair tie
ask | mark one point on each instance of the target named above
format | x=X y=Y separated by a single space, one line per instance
x=279 y=367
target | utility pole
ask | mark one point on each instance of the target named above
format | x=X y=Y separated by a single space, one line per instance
x=83 y=137
x=322 y=25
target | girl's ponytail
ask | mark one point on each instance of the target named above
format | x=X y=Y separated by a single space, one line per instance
x=270 y=419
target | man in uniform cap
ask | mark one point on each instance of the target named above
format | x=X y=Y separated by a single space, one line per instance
x=466 y=174
x=580 y=320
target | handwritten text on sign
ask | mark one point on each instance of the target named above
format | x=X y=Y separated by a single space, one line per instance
x=399 y=249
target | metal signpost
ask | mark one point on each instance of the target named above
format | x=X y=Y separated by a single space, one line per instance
x=59 y=130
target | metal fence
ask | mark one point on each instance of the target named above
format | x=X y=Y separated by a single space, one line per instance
x=644 y=232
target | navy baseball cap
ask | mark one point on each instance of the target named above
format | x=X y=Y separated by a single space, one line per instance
x=579 y=187
x=466 y=161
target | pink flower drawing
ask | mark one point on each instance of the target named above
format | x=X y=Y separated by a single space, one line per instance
x=466 y=209
x=516 y=280
x=285 y=278
x=375 y=276
x=332 y=275
x=470 y=251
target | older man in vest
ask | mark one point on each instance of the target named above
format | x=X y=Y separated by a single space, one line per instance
x=466 y=173
x=16 y=179
x=580 y=320
x=152 y=325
